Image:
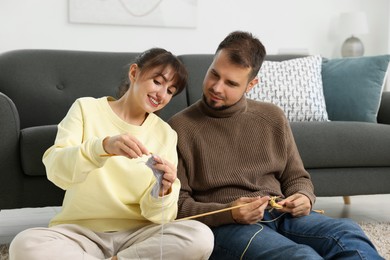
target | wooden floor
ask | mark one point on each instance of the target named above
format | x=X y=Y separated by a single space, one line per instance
x=372 y=208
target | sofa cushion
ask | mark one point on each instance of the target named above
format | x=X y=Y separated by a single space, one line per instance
x=295 y=86
x=342 y=144
x=34 y=141
x=51 y=80
x=353 y=87
x=197 y=65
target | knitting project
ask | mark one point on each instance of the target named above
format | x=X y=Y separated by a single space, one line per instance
x=157 y=173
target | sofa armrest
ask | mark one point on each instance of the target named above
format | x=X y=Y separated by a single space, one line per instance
x=384 y=109
x=17 y=189
x=11 y=172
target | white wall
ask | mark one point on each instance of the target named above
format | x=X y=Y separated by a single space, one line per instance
x=280 y=24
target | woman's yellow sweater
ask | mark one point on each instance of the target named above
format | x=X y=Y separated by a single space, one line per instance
x=108 y=194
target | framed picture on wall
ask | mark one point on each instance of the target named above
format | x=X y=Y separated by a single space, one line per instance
x=164 y=13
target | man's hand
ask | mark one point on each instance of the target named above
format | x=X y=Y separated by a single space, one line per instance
x=253 y=212
x=297 y=205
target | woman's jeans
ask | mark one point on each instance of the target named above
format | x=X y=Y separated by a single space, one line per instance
x=281 y=236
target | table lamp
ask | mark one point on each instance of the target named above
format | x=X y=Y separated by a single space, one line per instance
x=353 y=23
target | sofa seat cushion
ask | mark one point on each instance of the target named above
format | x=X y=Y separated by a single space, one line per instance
x=34 y=141
x=350 y=181
x=342 y=144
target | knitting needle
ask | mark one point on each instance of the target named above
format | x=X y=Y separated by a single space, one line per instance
x=213 y=212
x=108 y=155
x=226 y=209
x=112 y=154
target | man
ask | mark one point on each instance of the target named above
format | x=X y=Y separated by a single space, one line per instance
x=239 y=153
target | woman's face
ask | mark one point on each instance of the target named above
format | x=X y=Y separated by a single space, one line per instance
x=153 y=89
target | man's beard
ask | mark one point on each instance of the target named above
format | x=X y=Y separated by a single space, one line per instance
x=212 y=104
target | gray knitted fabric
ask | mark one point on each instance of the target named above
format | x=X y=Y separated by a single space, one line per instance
x=157 y=173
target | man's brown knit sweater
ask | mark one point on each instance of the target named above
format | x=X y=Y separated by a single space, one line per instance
x=243 y=151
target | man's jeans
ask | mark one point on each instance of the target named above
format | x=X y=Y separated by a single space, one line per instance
x=310 y=237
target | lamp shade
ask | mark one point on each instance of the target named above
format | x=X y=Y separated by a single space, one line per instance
x=353 y=23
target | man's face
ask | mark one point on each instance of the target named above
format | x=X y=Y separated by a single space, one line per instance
x=225 y=83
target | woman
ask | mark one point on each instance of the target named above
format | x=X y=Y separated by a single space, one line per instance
x=114 y=206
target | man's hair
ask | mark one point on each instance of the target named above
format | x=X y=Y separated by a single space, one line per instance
x=244 y=50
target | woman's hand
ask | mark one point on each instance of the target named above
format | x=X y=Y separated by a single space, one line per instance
x=124 y=144
x=169 y=174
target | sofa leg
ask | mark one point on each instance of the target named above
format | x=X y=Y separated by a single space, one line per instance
x=347 y=200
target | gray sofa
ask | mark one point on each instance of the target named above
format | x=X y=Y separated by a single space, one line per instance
x=37 y=88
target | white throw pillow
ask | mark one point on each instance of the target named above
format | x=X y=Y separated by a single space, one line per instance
x=295 y=86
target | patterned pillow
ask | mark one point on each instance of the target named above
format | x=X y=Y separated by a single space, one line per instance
x=295 y=86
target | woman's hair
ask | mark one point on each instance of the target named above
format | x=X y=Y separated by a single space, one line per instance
x=158 y=58
x=245 y=50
